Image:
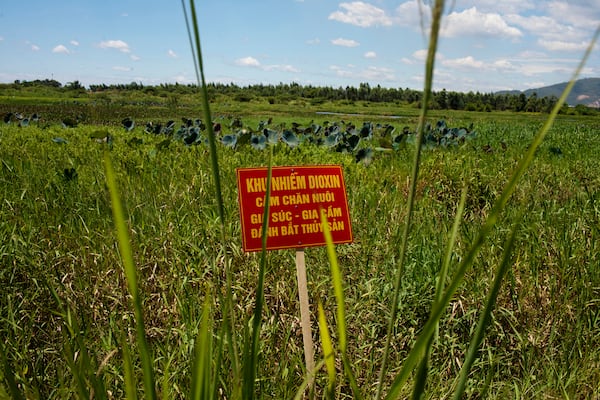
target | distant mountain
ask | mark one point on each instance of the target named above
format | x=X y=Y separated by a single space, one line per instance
x=586 y=91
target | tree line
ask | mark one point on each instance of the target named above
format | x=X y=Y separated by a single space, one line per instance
x=283 y=92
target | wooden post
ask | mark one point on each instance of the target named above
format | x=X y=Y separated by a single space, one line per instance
x=305 y=314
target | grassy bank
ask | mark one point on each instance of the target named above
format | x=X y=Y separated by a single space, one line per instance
x=61 y=267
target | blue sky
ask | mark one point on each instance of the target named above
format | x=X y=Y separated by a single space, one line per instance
x=485 y=45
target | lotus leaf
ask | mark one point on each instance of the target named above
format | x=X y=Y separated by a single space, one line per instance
x=59 y=140
x=332 y=139
x=271 y=135
x=70 y=174
x=364 y=155
x=128 y=124
x=290 y=138
x=191 y=137
x=259 y=142
x=229 y=140
x=243 y=137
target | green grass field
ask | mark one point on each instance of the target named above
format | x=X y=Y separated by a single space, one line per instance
x=64 y=304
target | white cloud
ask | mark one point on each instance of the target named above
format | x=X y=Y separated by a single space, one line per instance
x=35 y=47
x=502 y=7
x=503 y=64
x=559 y=45
x=60 y=49
x=172 y=54
x=134 y=57
x=254 y=63
x=463 y=63
x=313 y=41
x=532 y=85
x=531 y=67
x=181 y=79
x=74 y=42
x=553 y=35
x=361 y=14
x=580 y=13
x=124 y=69
x=379 y=73
x=248 y=62
x=370 y=54
x=412 y=13
x=282 y=68
x=345 y=42
x=368 y=74
x=547 y=28
x=475 y=23
x=531 y=54
x=533 y=23
x=541 y=68
x=1 y=38
x=420 y=55
x=115 y=44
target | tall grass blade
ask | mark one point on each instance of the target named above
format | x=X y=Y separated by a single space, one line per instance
x=336 y=277
x=437 y=11
x=251 y=354
x=70 y=357
x=218 y=361
x=81 y=364
x=328 y=351
x=202 y=378
x=131 y=275
x=79 y=360
x=439 y=291
x=307 y=381
x=419 y=348
x=212 y=142
x=484 y=319
x=70 y=330
x=9 y=376
x=228 y=311
x=128 y=374
x=423 y=370
x=166 y=383
x=356 y=392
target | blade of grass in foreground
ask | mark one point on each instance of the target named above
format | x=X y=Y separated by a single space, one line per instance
x=251 y=353
x=420 y=345
x=74 y=361
x=9 y=376
x=423 y=370
x=212 y=142
x=202 y=379
x=82 y=365
x=484 y=319
x=131 y=275
x=129 y=376
x=328 y=352
x=336 y=277
x=437 y=11
x=228 y=311
x=308 y=380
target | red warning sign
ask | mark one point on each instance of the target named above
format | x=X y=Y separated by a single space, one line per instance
x=298 y=194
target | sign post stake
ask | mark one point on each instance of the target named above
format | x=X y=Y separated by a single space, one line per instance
x=305 y=314
x=297 y=196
